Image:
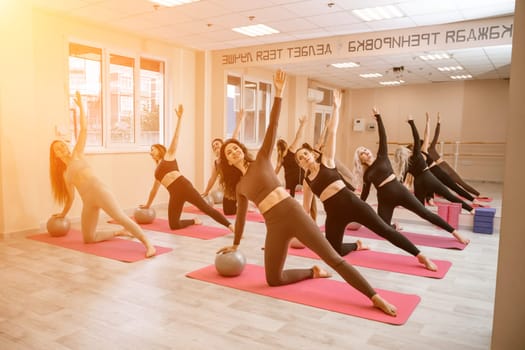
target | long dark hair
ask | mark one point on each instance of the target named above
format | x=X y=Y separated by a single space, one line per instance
x=229 y=174
x=282 y=146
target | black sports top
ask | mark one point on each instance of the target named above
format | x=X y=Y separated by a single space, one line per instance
x=292 y=171
x=381 y=167
x=416 y=163
x=324 y=178
x=164 y=167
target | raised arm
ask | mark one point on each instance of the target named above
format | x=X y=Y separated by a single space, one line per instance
x=238 y=122
x=298 y=134
x=328 y=157
x=432 y=148
x=82 y=134
x=383 y=146
x=170 y=152
x=426 y=135
x=415 y=135
x=320 y=143
x=279 y=81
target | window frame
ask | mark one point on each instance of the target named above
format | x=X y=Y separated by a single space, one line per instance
x=107 y=146
x=257 y=103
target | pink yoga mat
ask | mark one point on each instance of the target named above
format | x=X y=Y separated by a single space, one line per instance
x=322 y=293
x=195 y=231
x=250 y=215
x=116 y=248
x=385 y=261
x=419 y=239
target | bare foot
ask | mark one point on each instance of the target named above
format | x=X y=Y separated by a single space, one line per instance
x=123 y=234
x=318 y=272
x=384 y=305
x=150 y=251
x=460 y=238
x=361 y=246
x=197 y=221
x=429 y=265
x=231 y=228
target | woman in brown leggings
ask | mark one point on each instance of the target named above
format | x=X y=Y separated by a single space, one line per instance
x=285 y=219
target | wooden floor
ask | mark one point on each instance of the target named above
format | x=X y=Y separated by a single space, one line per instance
x=55 y=298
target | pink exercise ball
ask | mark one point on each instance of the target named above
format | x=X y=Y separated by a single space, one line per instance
x=296 y=244
x=217 y=196
x=230 y=264
x=209 y=200
x=144 y=215
x=354 y=226
x=58 y=227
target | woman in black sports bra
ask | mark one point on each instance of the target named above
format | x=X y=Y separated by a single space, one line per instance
x=425 y=183
x=341 y=205
x=390 y=192
x=180 y=188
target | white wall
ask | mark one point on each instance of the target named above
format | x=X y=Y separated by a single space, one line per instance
x=473 y=111
x=34 y=99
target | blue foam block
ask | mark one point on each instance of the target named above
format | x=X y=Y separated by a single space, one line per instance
x=485 y=212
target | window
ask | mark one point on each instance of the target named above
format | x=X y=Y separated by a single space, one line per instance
x=254 y=97
x=123 y=95
x=322 y=112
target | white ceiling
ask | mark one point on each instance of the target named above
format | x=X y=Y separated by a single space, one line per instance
x=206 y=25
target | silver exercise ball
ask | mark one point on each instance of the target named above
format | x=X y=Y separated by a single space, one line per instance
x=58 y=227
x=144 y=215
x=230 y=264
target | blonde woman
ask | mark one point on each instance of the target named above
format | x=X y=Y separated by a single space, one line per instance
x=391 y=193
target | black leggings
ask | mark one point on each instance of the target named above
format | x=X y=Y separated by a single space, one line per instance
x=345 y=207
x=447 y=181
x=287 y=220
x=229 y=206
x=291 y=185
x=394 y=193
x=426 y=184
x=455 y=176
x=181 y=190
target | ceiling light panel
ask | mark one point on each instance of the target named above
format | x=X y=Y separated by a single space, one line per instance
x=345 y=65
x=256 y=30
x=378 y=13
x=171 y=3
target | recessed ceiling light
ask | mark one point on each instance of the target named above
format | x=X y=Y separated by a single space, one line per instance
x=171 y=3
x=371 y=75
x=256 y=30
x=459 y=77
x=392 y=83
x=436 y=56
x=345 y=65
x=450 y=69
x=378 y=13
